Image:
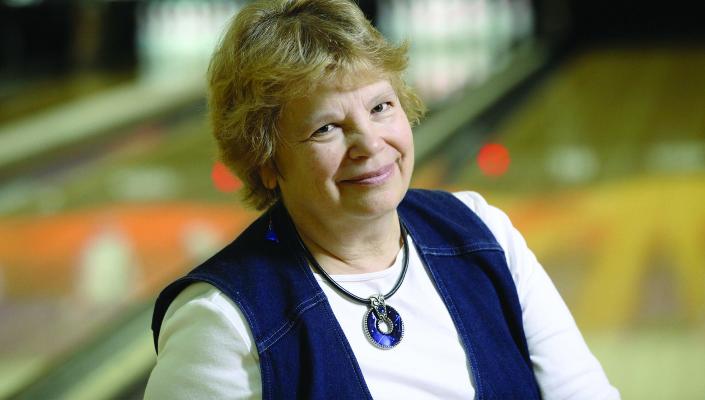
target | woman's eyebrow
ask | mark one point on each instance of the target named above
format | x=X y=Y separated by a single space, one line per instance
x=385 y=95
x=321 y=117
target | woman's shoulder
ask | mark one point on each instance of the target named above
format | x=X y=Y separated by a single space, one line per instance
x=201 y=306
x=496 y=220
x=520 y=260
x=206 y=346
x=199 y=295
x=472 y=200
x=477 y=203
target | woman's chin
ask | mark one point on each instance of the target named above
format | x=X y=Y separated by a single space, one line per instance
x=374 y=203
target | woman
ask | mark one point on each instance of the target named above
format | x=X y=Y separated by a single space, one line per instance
x=350 y=285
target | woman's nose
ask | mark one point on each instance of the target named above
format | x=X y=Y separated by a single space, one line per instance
x=365 y=141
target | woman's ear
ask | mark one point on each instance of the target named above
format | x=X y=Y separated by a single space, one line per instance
x=268 y=175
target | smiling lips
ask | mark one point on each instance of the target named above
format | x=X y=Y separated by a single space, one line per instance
x=372 y=178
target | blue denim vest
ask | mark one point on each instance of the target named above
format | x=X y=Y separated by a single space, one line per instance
x=302 y=349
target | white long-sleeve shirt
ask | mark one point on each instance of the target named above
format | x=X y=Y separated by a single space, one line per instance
x=206 y=350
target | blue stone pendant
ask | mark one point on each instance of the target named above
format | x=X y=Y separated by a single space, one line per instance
x=382 y=324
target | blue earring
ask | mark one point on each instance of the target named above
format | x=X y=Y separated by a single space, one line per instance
x=270 y=234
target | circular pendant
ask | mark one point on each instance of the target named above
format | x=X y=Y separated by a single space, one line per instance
x=377 y=331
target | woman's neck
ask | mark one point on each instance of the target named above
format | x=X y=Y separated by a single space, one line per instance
x=352 y=247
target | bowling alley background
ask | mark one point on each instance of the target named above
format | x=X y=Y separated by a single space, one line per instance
x=583 y=121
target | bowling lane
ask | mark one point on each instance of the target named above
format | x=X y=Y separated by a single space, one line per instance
x=87 y=242
x=21 y=99
x=602 y=168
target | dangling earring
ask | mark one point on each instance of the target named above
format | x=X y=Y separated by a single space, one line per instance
x=271 y=235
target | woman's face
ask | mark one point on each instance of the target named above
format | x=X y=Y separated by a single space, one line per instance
x=344 y=153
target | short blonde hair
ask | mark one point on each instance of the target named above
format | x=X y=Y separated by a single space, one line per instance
x=278 y=50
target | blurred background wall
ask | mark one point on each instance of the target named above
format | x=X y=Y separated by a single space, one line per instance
x=584 y=121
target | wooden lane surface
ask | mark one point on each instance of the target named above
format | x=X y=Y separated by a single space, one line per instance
x=607 y=184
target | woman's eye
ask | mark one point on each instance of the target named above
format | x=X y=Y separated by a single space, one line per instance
x=381 y=107
x=324 y=129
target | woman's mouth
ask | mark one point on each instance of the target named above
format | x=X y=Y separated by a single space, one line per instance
x=372 y=177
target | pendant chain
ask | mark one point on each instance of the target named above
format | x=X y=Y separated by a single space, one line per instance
x=397 y=285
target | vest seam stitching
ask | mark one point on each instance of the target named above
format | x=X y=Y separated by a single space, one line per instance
x=460 y=327
x=265 y=364
x=349 y=353
x=239 y=301
x=454 y=251
x=266 y=376
x=286 y=327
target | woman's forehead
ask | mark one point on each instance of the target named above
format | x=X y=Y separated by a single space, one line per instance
x=330 y=95
x=341 y=78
